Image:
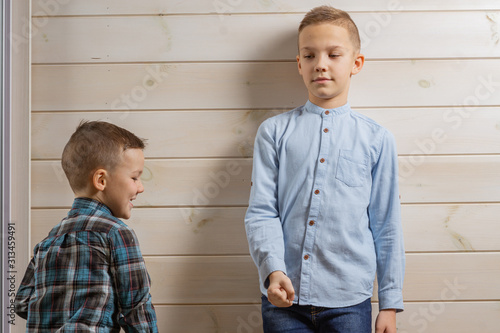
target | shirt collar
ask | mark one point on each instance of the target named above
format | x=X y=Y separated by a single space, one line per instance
x=87 y=203
x=311 y=107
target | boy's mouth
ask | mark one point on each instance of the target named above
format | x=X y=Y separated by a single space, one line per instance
x=321 y=80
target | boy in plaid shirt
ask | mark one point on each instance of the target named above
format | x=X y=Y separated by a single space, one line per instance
x=88 y=274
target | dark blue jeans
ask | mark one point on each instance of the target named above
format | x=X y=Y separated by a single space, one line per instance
x=308 y=318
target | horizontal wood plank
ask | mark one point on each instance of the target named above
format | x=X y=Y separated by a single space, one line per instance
x=277 y=86
x=231 y=133
x=438 y=228
x=170 y=231
x=417 y=317
x=198 y=280
x=169 y=134
x=179 y=38
x=456 y=317
x=425 y=179
x=452 y=276
x=152 y=7
x=213 y=182
x=220 y=231
x=168 y=182
x=214 y=280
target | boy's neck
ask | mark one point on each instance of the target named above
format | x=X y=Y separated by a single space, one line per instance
x=328 y=104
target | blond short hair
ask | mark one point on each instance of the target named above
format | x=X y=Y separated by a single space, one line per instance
x=328 y=14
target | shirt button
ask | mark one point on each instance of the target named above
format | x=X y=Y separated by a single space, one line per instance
x=306 y=257
x=316 y=192
x=327 y=112
x=325 y=130
x=311 y=223
x=322 y=160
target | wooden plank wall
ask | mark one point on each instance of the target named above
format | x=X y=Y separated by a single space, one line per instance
x=198 y=77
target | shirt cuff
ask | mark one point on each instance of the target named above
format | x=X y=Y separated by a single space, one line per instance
x=391 y=299
x=268 y=266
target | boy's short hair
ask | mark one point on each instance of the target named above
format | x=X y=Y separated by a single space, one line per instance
x=95 y=145
x=328 y=14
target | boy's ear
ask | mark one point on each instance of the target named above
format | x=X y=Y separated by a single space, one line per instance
x=359 y=61
x=99 y=179
x=298 y=65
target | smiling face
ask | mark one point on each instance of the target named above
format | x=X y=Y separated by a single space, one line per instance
x=123 y=184
x=327 y=59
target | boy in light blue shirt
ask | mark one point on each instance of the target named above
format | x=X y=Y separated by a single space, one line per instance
x=324 y=214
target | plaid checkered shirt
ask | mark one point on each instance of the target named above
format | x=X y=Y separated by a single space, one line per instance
x=87 y=275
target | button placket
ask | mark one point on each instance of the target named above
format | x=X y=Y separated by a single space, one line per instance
x=314 y=209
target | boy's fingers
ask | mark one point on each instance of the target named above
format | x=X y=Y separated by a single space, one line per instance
x=281 y=292
x=290 y=292
x=278 y=297
x=278 y=300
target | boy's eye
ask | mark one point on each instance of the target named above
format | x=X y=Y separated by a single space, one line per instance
x=308 y=56
x=334 y=55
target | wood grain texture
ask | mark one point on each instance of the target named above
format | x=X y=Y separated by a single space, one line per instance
x=198 y=77
x=440 y=228
x=171 y=231
x=223 y=182
x=127 y=87
x=220 y=230
x=214 y=280
x=231 y=133
x=226 y=7
x=417 y=317
x=449 y=179
x=207 y=182
x=238 y=38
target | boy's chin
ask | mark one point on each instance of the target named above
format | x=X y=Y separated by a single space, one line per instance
x=123 y=215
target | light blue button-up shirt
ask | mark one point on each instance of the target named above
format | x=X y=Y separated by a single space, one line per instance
x=324 y=207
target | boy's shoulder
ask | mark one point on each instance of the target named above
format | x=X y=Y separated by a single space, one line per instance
x=281 y=118
x=372 y=129
x=90 y=217
x=369 y=122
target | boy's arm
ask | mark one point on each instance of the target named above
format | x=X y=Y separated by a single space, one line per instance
x=385 y=222
x=132 y=283
x=25 y=291
x=262 y=220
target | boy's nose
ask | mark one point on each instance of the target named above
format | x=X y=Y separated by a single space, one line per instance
x=320 y=65
x=140 y=187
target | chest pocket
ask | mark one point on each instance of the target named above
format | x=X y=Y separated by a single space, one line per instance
x=352 y=168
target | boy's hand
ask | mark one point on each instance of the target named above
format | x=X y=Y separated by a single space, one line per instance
x=280 y=292
x=386 y=321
